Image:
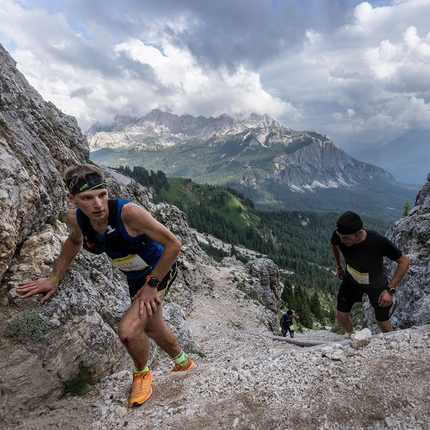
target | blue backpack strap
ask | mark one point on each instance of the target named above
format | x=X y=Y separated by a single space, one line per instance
x=91 y=243
x=114 y=239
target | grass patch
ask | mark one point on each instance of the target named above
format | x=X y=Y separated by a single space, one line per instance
x=198 y=352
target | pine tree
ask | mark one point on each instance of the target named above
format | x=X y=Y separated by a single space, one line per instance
x=315 y=306
x=406 y=209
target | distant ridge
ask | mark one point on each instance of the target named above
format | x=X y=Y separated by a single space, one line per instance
x=275 y=166
x=407 y=157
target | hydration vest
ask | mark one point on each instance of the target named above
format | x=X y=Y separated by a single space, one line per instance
x=114 y=239
x=287 y=321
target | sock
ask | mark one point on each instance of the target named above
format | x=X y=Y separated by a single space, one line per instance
x=181 y=359
x=144 y=369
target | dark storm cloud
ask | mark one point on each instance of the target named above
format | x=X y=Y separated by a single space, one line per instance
x=224 y=32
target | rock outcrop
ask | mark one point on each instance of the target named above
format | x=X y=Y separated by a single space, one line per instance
x=412 y=235
x=267 y=285
x=37 y=143
x=412 y=299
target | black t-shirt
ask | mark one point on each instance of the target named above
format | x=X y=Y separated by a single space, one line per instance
x=365 y=260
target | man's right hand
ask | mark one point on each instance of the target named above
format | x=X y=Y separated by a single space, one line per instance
x=148 y=301
x=45 y=286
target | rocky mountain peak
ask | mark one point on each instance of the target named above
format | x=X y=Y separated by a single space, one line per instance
x=165 y=128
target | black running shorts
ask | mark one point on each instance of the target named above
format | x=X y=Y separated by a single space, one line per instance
x=350 y=293
x=134 y=285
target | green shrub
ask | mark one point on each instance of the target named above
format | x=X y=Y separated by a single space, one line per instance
x=337 y=329
x=79 y=384
x=29 y=324
x=198 y=352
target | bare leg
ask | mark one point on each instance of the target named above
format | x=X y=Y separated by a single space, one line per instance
x=385 y=326
x=131 y=331
x=157 y=330
x=134 y=333
x=345 y=321
x=292 y=335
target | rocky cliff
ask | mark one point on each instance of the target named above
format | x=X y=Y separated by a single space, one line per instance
x=37 y=143
x=412 y=235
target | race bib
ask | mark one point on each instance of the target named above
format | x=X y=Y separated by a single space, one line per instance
x=129 y=263
x=291 y=327
x=360 y=278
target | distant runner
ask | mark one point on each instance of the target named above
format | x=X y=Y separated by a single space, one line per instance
x=286 y=323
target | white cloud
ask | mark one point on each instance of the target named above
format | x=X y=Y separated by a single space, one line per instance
x=363 y=78
x=415 y=114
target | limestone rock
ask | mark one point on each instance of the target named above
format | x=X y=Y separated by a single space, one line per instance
x=37 y=143
x=268 y=285
x=361 y=338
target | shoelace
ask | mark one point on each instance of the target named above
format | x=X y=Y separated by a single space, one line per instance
x=138 y=378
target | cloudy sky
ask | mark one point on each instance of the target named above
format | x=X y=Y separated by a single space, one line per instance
x=351 y=69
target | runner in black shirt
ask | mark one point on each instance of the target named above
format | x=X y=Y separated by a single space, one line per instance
x=364 y=272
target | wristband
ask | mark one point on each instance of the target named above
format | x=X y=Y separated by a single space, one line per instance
x=339 y=267
x=55 y=278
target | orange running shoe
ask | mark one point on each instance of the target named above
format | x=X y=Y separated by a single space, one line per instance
x=187 y=366
x=141 y=389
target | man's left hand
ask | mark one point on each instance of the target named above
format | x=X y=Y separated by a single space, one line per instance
x=385 y=299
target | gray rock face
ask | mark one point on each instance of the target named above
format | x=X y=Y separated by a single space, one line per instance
x=267 y=285
x=412 y=235
x=326 y=164
x=37 y=143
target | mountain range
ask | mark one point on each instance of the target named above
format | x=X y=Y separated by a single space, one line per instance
x=275 y=166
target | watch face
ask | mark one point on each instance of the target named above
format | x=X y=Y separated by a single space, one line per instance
x=153 y=282
x=392 y=290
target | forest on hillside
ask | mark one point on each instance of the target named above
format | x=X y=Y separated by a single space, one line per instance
x=297 y=241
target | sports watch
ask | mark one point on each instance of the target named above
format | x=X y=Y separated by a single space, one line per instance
x=392 y=291
x=152 y=281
